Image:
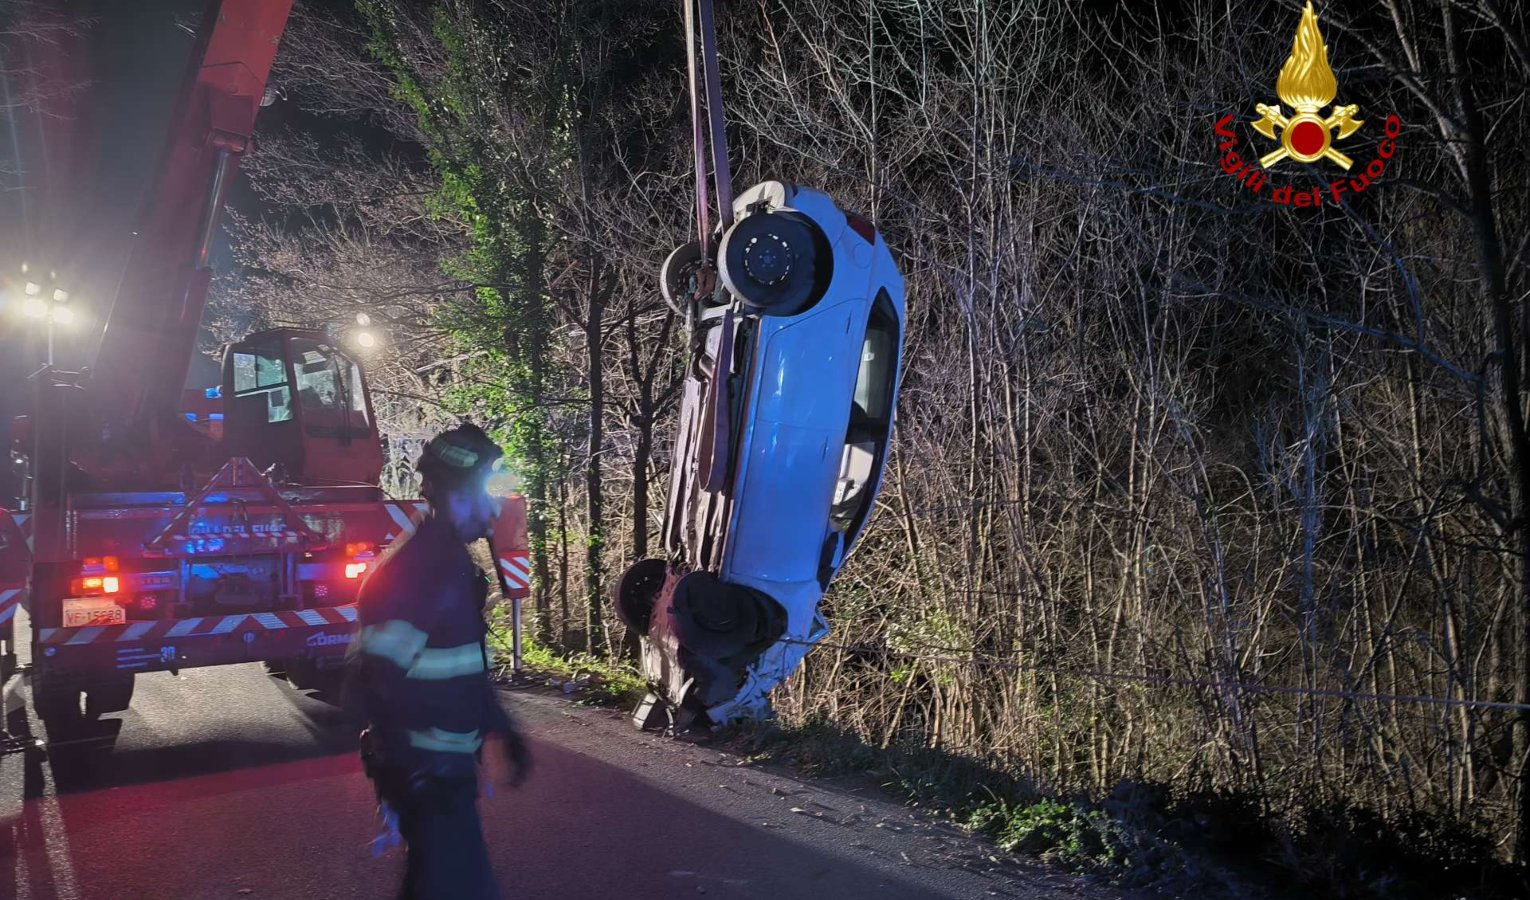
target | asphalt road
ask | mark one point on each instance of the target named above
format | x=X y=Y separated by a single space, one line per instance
x=227 y=783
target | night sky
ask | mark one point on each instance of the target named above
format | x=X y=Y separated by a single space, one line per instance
x=79 y=165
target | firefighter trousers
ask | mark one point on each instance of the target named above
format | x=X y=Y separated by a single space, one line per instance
x=443 y=836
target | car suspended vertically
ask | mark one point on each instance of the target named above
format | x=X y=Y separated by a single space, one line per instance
x=785 y=424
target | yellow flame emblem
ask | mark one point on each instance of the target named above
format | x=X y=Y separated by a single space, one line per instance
x=1306 y=85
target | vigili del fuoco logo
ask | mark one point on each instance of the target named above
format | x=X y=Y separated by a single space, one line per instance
x=1307 y=85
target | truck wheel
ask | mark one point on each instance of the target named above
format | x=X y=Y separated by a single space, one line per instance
x=310 y=675
x=57 y=703
x=109 y=695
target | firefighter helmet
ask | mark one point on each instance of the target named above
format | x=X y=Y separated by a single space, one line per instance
x=458 y=456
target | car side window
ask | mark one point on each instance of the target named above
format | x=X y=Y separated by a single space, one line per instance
x=870 y=425
x=874 y=384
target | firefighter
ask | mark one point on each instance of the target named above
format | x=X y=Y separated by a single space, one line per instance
x=419 y=675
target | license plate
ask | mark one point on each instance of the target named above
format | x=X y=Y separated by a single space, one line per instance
x=86 y=612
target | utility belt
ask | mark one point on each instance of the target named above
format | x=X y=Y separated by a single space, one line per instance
x=412 y=774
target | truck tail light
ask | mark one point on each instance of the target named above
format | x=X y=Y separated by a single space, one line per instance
x=98 y=565
x=85 y=586
x=96 y=584
x=355 y=569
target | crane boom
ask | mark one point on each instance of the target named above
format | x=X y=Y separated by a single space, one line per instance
x=151 y=330
x=154 y=537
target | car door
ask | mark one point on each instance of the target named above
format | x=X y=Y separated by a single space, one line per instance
x=788 y=464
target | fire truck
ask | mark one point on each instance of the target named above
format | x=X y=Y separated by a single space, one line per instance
x=161 y=535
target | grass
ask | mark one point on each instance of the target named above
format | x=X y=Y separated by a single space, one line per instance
x=1202 y=844
x=1206 y=844
x=597 y=681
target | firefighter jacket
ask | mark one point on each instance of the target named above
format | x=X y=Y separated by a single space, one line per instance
x=419 y=666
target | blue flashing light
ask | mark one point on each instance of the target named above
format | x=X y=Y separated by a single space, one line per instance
x=190 y=417
x=215 y=417
x=213 y=393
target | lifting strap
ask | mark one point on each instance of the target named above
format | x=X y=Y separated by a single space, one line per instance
x=711 y=134
x=705 y=537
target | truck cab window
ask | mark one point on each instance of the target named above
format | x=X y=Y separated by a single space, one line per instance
x=260 y=372
x=329 y=386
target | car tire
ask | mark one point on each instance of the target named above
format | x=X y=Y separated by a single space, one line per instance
x=636 y=592
x=677 y=278
x=719 y=620
x=777 y=263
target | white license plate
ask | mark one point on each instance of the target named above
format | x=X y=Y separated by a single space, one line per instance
x=90 y=611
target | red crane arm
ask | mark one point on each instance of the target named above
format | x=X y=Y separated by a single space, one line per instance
x=151 y=330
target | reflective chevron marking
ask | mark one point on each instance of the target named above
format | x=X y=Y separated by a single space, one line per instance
x=205 y=626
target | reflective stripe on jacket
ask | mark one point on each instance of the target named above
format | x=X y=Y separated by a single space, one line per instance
x=420 y=665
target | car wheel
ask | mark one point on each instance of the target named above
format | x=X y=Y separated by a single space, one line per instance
x=716 y=619
x=636 y=592
x=677 y=278
x=778 y=263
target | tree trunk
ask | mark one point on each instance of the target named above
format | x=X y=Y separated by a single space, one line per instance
x=601 y=285
x=535 y=306
x=563 y=617
x=641 y=455
x=1508 y=338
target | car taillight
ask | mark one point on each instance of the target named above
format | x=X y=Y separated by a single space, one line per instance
x=862 y=227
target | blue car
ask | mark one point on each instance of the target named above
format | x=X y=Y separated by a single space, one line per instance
x=785 y=425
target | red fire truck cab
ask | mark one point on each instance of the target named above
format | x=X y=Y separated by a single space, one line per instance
x=259 y=560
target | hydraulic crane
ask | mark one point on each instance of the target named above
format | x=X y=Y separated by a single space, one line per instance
x=149 y=543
